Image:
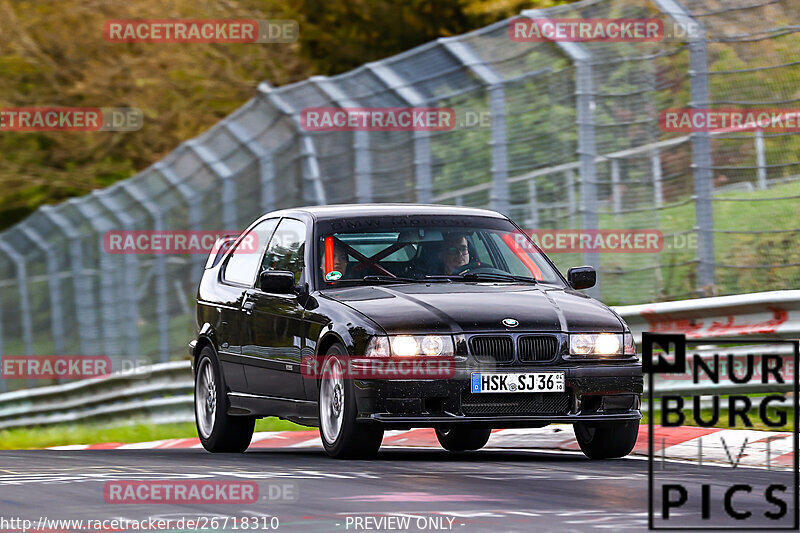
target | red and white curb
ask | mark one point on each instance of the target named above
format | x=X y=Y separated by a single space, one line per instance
x=766 y=449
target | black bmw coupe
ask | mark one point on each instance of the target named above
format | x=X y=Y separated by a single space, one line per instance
x=361 y=318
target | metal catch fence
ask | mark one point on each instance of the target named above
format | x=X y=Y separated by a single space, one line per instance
x=559 y=135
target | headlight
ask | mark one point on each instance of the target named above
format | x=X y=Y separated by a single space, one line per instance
x=378 y=347
x=628 y=344
x=599 y=344
x=608 y=344
x=410 y=346
x=405 y=346
x=581 y=344
x=432 y=345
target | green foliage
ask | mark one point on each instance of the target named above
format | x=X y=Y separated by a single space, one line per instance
x=54 y=54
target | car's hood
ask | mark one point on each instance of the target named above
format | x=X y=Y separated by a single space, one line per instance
x=475 y=307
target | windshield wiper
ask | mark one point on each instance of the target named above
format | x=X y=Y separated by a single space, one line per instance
x=391 y=279
x=486 y=276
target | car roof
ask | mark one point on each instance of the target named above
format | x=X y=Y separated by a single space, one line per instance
x=332 y=212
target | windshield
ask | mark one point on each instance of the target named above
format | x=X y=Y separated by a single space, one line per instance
x=428 y=248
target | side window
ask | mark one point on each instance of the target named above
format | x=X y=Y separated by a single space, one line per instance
x=481 y=250
x=244 y=260
x=286 y=249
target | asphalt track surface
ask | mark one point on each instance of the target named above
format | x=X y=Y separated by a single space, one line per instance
x=489 y=490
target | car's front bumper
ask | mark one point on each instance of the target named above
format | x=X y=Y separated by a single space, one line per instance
x=593 y=393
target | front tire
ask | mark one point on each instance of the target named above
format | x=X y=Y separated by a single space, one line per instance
x=607 y=440
x=218 y=431
x=342 y=436
x=463 y=439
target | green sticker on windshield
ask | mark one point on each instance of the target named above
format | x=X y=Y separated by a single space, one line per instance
x=333 y=275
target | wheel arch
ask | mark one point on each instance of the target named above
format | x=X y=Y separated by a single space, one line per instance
x=206 y=337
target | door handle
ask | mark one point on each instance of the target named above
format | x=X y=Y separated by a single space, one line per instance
x=248 y=307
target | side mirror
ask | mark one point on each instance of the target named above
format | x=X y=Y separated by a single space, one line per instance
x=276 y=281
x=582 y=277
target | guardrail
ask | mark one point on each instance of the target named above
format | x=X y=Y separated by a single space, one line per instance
x=160 y=393
x=761 y=316
x=163 y=392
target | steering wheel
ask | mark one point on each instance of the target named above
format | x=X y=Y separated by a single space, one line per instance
x=475 y=267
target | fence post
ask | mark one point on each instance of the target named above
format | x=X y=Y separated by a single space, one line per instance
x=701 y=143
x=616 y=187
x=83 y=292
x=761 y=159
x=24 y=300
x=655 y=164
x=189 y=195
x=311 y=172
x=587 y=151
x=107 y=300
x=422 y=143
x=533 y=202
x=3 y=382
x=362 y=162
x=499 y=197
x=211 y=161
x=265 y=163
x=131 y=271
x=569 y=178
x=53 y=286
x=162 y=288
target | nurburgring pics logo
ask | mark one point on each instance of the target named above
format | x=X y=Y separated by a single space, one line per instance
x=378 y=119
x=750 y=380
x=25 y=119
x=201 y=31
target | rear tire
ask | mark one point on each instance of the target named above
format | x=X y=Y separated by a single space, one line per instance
x=218 y=431
x=463 y=439
x=607 y=440
x=342 y=436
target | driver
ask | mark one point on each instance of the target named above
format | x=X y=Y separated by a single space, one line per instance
x=454 y=253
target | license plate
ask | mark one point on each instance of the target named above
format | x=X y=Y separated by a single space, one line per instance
x=513 y=382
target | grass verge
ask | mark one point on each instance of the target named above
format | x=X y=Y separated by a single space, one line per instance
x=772 y=415
x=64 y=434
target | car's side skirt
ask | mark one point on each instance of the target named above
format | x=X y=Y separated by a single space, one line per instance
x=243 y=404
